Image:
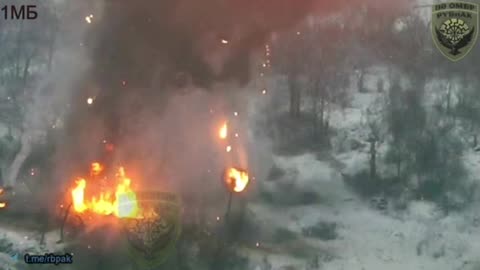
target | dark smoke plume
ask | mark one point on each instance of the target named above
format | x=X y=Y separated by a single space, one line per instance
x=177 y=39
x=144 y=50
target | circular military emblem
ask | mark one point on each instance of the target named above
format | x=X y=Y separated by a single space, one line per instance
x=455 y=28
x=153 y=236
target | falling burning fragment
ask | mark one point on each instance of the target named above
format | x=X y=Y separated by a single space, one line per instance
x=106 y=196
x=223 y=132
x=236 y=180
x=2 y=204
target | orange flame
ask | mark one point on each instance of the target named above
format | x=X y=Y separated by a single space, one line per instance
x=223 y=132
x=237 y=179
x=120 y=201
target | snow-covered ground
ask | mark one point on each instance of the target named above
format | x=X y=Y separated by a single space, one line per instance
x=420 y=238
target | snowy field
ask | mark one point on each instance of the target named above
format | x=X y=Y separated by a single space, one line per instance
x=421 y=237
x=368 y=239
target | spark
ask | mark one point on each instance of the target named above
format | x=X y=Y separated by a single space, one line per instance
x=224 y=41
x=264 y=65
x=229 y=149
x=298 y=33
x=90 y=101
x=89 y=18
x=218 y=218
x=257 y=244
x=264 y=91
x=236 y=135
x=235 y=113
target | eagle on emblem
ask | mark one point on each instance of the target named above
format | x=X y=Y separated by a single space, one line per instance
x=455 y=46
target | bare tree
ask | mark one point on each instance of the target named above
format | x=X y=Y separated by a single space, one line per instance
x=26 y=50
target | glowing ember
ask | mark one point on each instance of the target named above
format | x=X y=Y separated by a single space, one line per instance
x=224 y=41
x=223 y=132
x=120 y=200
x=229 y=149
x=89 y=101
x=89 y=18
x=2 y=204
x=237 y=180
